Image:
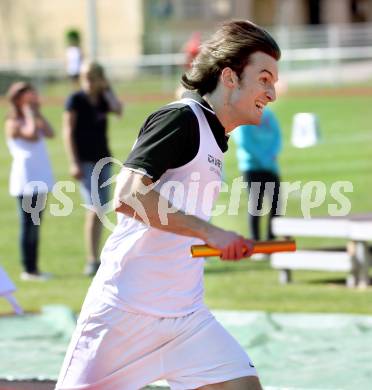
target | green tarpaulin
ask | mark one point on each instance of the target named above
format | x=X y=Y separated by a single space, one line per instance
x=291 y=351
x=33 y=346
x=306 y=351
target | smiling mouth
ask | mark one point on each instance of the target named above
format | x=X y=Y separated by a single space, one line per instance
x=260 y=106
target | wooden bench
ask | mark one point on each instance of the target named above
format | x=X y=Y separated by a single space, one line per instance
x=354 y=259
x=314 y=260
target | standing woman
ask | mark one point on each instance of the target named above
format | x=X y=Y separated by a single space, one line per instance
x=31 y=175
x=85 y=133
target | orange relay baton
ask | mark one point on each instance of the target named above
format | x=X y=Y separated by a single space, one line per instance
x=258 y=247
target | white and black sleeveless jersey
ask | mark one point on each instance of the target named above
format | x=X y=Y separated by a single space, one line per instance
x=169 y=138
x=148 y=270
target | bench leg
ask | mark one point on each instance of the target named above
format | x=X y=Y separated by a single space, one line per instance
x=285 y=276
x=351 y=280
x=362 y=258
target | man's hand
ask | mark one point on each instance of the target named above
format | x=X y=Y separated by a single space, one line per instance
x=233 y=246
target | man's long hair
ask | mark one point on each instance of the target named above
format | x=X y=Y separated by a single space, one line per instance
x=231 y=46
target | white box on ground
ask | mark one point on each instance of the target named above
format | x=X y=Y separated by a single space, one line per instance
x=305 y=130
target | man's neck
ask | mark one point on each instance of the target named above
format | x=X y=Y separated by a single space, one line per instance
x=219 y=105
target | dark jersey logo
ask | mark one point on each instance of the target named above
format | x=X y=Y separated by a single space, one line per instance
x=215 y=161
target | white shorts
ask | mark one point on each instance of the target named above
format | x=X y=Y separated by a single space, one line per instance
x=116 y=350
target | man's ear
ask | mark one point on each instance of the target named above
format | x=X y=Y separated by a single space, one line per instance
x=229 y=78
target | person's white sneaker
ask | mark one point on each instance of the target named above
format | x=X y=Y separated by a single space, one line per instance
x=35 y=277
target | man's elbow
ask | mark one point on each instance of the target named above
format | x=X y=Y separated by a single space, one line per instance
x=121 y=206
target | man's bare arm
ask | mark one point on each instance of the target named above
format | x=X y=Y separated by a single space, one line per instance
x=135 y=197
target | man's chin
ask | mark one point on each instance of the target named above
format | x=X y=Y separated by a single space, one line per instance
x=255 y=121
x=252 y=120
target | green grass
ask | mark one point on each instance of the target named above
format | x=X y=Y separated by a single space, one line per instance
x=344 y=154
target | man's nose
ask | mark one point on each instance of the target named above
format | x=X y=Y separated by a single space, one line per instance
x=271 y=94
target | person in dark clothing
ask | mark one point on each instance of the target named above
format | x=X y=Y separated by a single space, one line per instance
x=86 y=141
x=258 y=148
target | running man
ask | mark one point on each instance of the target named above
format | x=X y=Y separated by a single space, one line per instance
x=144 y=317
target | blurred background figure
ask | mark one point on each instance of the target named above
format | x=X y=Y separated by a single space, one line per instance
x=74 y=55
x=86 y=142
x=25 y=130
x=257 y=153
x=191 y=50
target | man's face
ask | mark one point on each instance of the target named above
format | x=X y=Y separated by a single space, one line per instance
x=254 y=89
